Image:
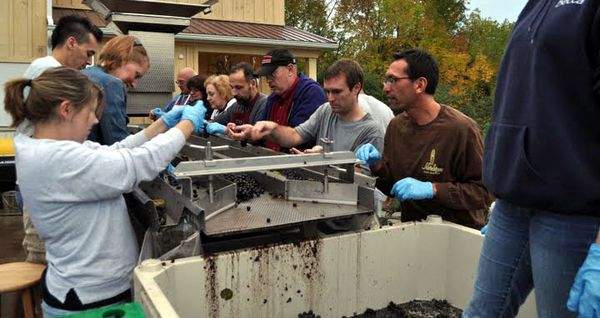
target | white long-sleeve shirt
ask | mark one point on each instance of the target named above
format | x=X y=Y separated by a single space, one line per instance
x=380 y=111
x=74 y=195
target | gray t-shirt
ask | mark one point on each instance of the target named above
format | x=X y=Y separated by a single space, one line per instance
x=347 y=136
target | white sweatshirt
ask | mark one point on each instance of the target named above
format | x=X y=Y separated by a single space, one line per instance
x=74 y=195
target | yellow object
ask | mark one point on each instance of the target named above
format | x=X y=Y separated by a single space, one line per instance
x=7 y=146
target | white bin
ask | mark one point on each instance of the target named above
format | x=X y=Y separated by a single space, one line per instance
x=334 y=276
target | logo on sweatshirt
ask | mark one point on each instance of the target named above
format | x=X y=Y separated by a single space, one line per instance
x=565 y=2
x=430 y=167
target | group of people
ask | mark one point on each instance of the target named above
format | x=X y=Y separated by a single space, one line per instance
x=537 y=163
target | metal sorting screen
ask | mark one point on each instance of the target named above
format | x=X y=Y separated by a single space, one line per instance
x=156 y=86
x=268 y=212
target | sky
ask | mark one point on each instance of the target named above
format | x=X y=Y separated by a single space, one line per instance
x=498 y=9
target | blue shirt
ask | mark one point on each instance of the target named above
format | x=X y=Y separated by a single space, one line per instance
x=112 y=126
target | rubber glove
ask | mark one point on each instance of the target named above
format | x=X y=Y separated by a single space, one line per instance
x=367 y=153
x=215 y=128
x=172 y=117
x=484 y=229
x=157 y=112
x=584 y=297
x=170 y=170
x=195 y=114
x=412 y=189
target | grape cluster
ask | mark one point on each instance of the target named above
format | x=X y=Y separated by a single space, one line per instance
x=247 y=187
x=292 y=174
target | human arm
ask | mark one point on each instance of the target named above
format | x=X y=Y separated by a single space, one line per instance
x=315 y=149
x=168 y=120
x=87 y=177
x=283 y=135
x=467 y=191
x=381 y=163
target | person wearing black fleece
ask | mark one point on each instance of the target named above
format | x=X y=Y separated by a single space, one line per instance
x=540 y=161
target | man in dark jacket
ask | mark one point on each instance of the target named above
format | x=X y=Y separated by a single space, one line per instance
x=541 y=163
x=294 y=97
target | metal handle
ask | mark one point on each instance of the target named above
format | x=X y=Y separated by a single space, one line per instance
x=224 y=147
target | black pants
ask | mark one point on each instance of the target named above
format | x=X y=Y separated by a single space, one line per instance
x=73 y=303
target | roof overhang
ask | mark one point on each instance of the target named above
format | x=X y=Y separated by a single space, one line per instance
x=187 y=37
x=253 y=41
x=226 y=32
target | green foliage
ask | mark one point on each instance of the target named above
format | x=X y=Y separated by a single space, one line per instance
x=468 y=47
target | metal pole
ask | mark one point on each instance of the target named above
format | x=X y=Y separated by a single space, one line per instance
x=209 y=156
x=327 y=146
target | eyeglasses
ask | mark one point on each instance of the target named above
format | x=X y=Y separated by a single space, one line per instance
x=179 y=82
x=391 y=79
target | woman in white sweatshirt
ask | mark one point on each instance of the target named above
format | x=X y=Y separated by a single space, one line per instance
x=73 y=187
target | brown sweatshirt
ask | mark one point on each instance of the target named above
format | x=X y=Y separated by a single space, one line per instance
x=447 y=152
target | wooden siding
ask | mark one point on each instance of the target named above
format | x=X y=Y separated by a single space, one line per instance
x=23 y=37
x=253 y=11
x=73 y=4
x=186 y=53
x=202 y=56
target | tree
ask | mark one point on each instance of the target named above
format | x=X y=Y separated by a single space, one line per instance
x=309 y=15
x=468 y=47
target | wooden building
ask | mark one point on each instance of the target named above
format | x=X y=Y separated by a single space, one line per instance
x=234 y=31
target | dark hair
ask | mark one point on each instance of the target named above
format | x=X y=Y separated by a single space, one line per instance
x=76 y=26
x=350 y=68
x=197 y=82
x=47 y=92
x=421 y=64
x=244 y=67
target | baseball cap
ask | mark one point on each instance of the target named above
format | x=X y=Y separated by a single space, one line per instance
x=274 y=59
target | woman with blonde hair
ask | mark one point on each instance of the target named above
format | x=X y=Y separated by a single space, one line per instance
x=219 y=95
x=73 y=188
x=122 y=62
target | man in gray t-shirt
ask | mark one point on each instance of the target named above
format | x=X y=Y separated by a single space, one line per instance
x=340 y=120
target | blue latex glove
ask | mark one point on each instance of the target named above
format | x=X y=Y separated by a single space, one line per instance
x=157 y=112
x=412 y=189
x=484 y=230
x=195 y=114
x=170 y=170
x=215 y=128
x=584 y=297
x=172 y=117
x=368 y=154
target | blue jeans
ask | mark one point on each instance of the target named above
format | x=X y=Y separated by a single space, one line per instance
x=526 y=248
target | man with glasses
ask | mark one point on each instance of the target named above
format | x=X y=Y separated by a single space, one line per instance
x=294 y=97
x=180 y=99
x=432 y=154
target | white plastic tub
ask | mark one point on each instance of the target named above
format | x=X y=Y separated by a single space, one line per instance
x=334 y=277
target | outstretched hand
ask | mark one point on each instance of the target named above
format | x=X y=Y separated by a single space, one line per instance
x=239 y=132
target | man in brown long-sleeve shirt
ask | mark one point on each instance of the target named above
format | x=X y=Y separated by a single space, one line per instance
x=432 y=155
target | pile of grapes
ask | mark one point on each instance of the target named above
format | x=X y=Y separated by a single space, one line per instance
x=247 y=187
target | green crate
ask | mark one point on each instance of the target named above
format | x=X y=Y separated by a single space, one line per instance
x=129 y=310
